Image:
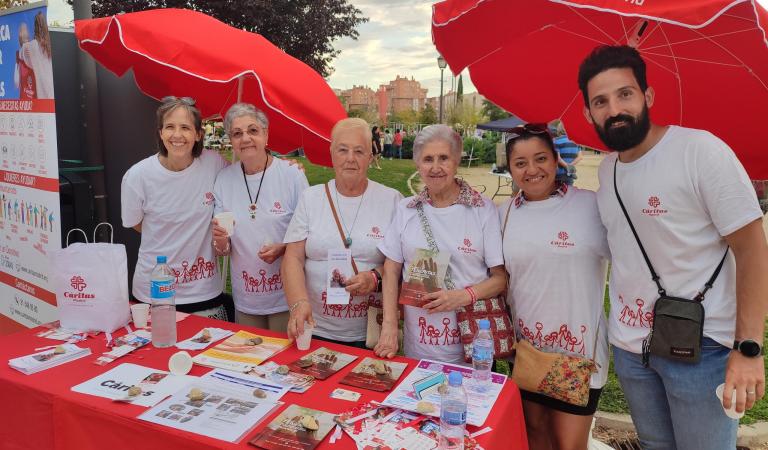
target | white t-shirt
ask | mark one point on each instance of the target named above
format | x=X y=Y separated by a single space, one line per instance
x=256 y=286
x=42 y=67
x=683 y=196
x=472 y=237
x=555 y=252
x=175 y=211
x=313 y=221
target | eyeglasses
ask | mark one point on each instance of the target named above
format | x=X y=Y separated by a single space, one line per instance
x=252 y=131
x=189 y=101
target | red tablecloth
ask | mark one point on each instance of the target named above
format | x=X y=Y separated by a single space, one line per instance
x=41 y=412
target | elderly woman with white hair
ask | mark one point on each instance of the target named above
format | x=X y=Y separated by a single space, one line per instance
x=448 y=224
x=262 y=192
x=335 y=231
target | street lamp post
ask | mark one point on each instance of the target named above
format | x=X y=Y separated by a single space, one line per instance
x=441 y=63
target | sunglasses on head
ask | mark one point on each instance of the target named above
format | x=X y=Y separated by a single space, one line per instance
x=528 y=128
x=189 y=101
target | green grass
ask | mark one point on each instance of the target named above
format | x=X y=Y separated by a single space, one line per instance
x=393 y=173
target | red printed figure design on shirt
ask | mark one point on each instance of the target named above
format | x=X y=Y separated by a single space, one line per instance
x=200 y=270
x=431 y=335
x=563 y=338
x=350 y=310
x=635 y=317
x=262 y=283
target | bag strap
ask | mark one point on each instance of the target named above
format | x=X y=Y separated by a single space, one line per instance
x=338 y=224
x=76 y=229
x=448 y=279
x=111 y=232
x=654 y=276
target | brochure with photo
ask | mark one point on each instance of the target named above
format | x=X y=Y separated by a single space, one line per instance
x=48 y=358
x=241 y=351
x=321 y=363
x=123 y=345
x=298 y=382
x=375 y=374
x=423 y=275
x=339 y=268
x=295 y=428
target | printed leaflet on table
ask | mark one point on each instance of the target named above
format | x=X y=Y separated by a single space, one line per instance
x=114 y=384
x=123 y=345
x=241 y=352
x=298 y=382
x=269 y=390
x=425 y=274
x=322 y=363
x=295 y=428
x=46 y=359
x=204 y=338
x=479 y=403
x=222 y=411
x=375 y=374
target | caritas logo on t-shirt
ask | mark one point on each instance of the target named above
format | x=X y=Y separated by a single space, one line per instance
x=208 y=199
x=467 y=247
x=277 y=209
x=562 y=240
x=78 y=283
x=375 y=233
x=655 y=207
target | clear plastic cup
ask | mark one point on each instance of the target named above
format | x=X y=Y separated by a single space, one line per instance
x=305 y=339
x=140 y=314
x=226 y=220
x=732 y=411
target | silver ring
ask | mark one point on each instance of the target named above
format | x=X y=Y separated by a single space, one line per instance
x=750 y=392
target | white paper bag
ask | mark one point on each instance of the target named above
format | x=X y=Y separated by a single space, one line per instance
x=91 y=283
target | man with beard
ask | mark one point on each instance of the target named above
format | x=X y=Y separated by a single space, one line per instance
x=689 y=199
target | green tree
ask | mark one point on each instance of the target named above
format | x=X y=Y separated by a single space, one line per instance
x=305 y=29
x=493 y=112
x=365 y=114
x=407 y=117
x=428 y=115
x=465 y=117
x=5 y=4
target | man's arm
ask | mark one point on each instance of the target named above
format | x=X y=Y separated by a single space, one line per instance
x=747 y=375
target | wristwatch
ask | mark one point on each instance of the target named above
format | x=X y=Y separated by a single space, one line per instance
x=748 y=348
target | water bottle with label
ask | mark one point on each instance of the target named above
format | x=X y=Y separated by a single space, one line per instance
x=453 y=414
x=482 y=355
x=162 y=292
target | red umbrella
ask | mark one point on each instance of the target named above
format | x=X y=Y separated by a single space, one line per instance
x=706 y=59
x=187 y=53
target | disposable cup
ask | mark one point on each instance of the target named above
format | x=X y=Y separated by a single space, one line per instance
x=140 y=313
x=226 y=220
x=180 y=363
x=303 y=340
x=732 y=411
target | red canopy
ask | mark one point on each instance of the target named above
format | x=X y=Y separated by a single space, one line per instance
x=186 y=53
x=706 y=59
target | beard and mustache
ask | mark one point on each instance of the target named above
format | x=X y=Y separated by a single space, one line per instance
x=625 y=137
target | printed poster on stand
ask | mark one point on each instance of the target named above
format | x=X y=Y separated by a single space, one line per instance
x=29 y=175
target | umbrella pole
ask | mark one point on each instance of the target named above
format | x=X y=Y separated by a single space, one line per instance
x=240 y=81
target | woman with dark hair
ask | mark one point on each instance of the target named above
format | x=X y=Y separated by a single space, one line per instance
x=376 y=146
x=556 y=253
x=168 y=198
x=37 y=55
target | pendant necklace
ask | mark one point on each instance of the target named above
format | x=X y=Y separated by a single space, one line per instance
x=252 y=206
x=348 y=239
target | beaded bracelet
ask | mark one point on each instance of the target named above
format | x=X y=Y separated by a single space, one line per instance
x=472 y=295
x=223 y=252
x=295 y=305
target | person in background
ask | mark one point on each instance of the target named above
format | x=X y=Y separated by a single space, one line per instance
x=397 y=142
x=168 y=198
x=365 y=209
x=262 y=192
x=376 y=146
x=569 y=154
x=556 y=253
x=388 y=143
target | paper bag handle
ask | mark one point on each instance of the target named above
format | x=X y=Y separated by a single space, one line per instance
x=76 y=229
x=111 y=232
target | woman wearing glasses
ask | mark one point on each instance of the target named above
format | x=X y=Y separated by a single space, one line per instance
x=448 y=226
x=168 y=198
x=262 y=192
x=344 y=218
x=556 y=253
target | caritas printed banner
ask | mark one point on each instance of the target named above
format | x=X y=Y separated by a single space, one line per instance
x=29 y=175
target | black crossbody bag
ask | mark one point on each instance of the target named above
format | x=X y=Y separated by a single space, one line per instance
x=678 y=323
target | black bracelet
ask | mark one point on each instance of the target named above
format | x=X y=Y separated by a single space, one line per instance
x=378 y=279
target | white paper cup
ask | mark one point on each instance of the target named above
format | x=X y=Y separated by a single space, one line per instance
x=140 y=313
x=732 y=411
x=226 y=220
x=180 y=363
x=303 y=340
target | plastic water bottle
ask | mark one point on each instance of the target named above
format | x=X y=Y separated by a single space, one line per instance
x=453 y=414
x=163 y=292
x=482 y=356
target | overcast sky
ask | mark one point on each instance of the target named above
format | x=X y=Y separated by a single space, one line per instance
x=395 y=41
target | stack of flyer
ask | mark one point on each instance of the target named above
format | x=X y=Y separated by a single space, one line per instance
x=241 y=352
x=48 y=358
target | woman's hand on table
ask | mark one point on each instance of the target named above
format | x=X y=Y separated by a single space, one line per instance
x=301 y=314
x=362 y=283
x=270 y=253
x=443 y=300
x=387 y=345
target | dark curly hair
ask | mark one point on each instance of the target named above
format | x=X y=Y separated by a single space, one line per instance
x=607 y=57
